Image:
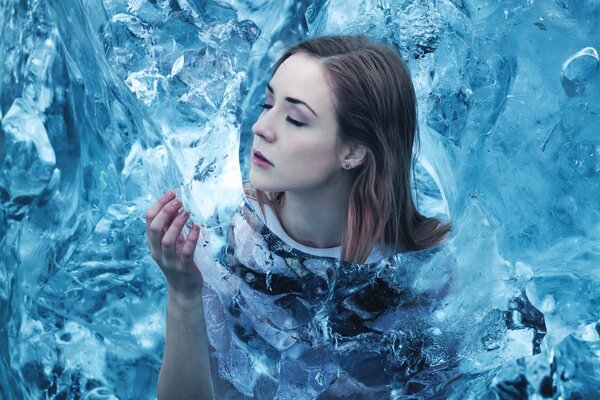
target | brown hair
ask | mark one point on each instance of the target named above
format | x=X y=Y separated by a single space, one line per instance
x=376 y=106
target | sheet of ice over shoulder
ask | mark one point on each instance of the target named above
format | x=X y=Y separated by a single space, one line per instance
x=285 y=324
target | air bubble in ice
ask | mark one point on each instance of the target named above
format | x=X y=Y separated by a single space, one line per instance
x=579 y=69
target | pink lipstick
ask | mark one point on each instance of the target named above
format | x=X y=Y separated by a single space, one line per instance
x=260 y=161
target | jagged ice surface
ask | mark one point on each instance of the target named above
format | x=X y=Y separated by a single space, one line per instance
x=105 y=104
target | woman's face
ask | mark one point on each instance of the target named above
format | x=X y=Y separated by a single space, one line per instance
x=296 y=146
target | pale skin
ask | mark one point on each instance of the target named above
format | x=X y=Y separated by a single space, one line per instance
x=307 y=160
x=297 y=134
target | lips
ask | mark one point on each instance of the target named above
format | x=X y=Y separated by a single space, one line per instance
x=260 y=157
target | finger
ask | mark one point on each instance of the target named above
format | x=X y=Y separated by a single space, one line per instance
x=187 y=252
x=153 y=211
x=160 y=224
x=179 y=244
x=169 y=241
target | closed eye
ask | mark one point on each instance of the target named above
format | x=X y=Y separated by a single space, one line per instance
x=289 y=119
x=294 y=122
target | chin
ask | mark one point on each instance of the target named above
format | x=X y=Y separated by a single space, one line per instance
x=260 y=184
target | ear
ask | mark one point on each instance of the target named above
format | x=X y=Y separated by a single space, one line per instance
x=354 y=153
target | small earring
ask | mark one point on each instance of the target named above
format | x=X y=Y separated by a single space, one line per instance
x=347 y=165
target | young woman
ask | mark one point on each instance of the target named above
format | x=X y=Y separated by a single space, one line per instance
x=331 y=176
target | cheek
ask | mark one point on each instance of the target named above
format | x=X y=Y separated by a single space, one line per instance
x=318 y=156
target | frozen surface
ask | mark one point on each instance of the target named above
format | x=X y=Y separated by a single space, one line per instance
x=105 y=104
x=287 y=325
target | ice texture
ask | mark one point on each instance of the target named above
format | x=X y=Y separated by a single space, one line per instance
x=104 y=104
x=287 y=325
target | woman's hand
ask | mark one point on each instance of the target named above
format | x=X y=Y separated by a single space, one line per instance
x=170 y=249
x=185 y=370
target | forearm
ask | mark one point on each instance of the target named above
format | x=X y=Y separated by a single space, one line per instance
x=185 y=370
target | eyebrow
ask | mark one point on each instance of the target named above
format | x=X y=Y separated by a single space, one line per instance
x=293 y=100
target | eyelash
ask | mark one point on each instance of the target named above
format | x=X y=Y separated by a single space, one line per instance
x=288 y=119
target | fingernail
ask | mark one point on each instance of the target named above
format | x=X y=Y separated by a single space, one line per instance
x=185 y=214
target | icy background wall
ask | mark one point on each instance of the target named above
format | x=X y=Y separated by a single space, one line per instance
x=105 y=104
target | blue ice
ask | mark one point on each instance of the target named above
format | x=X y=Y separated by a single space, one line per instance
x=104 y=104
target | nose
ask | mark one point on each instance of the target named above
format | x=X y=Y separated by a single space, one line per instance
x=263 y=128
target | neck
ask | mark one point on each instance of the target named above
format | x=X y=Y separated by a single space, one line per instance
x=317 y=218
